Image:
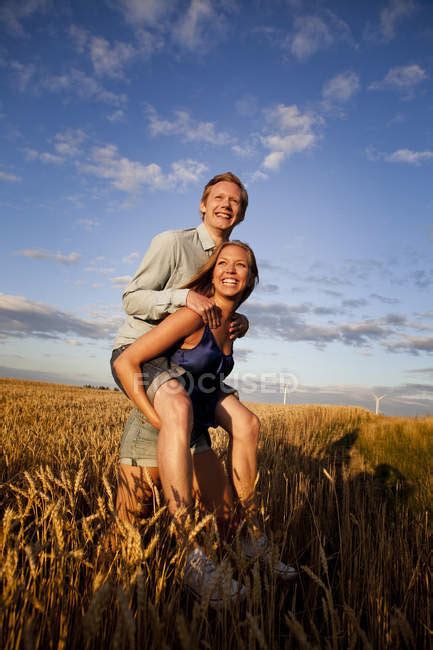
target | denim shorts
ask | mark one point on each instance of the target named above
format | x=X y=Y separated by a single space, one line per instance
x=139 y=440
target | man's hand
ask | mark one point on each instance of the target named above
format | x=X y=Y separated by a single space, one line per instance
x=204 y=307
x=238 y=327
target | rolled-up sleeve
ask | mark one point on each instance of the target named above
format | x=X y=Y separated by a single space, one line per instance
x=146 y=296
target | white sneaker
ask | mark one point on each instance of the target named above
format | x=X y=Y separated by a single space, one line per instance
x=210 y=583
x=261 y=549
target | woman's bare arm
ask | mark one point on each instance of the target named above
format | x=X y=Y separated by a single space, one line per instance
x=155 y=343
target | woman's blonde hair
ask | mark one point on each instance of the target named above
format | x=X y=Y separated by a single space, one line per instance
x=202 y=280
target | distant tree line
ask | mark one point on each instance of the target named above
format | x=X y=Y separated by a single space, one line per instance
x=100 y=387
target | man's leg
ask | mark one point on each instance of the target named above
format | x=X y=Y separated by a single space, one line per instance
x=243 y=428
x=134 y=492
x=174 y=408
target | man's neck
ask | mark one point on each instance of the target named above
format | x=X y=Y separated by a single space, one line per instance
x=217 y=235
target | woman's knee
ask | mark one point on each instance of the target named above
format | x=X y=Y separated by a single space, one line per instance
x=246 y=428
x=173 y=405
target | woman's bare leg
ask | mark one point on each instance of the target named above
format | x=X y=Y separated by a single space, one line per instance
x=213 y=490
x=174 y=409
x=243 y=427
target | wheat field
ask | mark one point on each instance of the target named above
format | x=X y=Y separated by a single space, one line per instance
x=345 y=495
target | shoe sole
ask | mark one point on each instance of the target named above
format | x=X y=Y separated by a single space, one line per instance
x=292 y=575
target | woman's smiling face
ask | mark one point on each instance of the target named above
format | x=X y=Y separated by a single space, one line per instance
x=232 y=271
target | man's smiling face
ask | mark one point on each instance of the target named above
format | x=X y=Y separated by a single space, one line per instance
x=222 y=208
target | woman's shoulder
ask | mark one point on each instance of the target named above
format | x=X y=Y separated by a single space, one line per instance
x=186 y=318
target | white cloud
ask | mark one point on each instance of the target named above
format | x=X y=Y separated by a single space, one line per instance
x=404 y=78
x=83 y=86
x=80 y=37
x=189 y=32
x=273 y=160
x=40 y=254
x=184 y=126
x=20 y=317
x=14 y=12
x=258 y=175
x=149 y=42
x=408 y=156
x=310 y=35
x=131 y=176
x=150 y=12
x=88 y=224
x=101 y=270
x=9 y=178
x=28 y=76
x=23 y=73
x=392 y=14
x=68 y=143
x=108 y=59
x=121 y=281
x=290 y=118
x=185 y=172
x=43 y=156
x=292 y=132
x=128 y=259
x=412 y=344
x=116 y=116
x=313 y=33
x=124 y=174
x=245 y=150
x=193 y=25
x=341 y=87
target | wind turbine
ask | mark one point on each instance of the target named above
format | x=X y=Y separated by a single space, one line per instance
x=378 y=398
x=288 y=384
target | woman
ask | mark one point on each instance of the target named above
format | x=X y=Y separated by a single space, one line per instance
x=229 y=277
x=234 y=267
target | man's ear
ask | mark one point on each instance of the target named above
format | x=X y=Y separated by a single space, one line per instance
x=202 y=208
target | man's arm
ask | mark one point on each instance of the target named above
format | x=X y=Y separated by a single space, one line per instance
x=145 y=296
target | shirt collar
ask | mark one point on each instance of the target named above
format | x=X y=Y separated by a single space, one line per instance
x=205 y=239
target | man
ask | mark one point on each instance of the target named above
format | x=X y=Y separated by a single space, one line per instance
x=174 y=256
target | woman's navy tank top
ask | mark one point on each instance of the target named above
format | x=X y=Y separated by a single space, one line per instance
x=206 y=366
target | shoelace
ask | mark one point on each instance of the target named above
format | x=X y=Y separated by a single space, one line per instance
x=208 y=565
x=203 y=564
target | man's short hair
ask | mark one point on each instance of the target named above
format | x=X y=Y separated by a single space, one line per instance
x=231 y=178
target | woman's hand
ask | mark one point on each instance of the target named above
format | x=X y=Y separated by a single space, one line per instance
x=153 y=417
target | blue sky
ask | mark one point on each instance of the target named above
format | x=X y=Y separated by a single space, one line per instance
x=113 y=115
